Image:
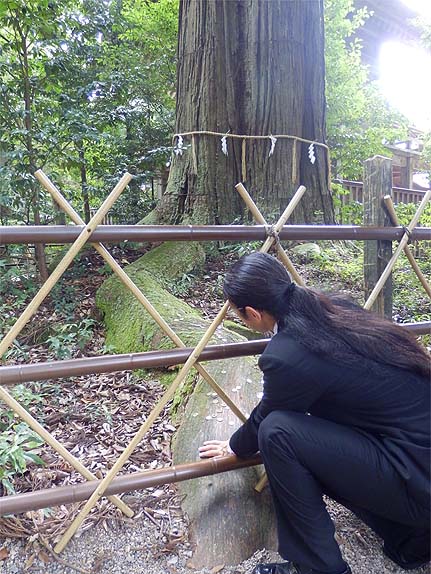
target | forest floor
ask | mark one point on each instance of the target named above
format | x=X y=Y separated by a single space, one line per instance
x=95 y=417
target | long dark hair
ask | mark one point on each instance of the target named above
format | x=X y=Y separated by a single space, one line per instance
x=329 y=325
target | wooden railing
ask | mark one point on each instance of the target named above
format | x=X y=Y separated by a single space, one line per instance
x=109 y=219
x=399 y=194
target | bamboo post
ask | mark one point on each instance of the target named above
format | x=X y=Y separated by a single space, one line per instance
x=398 y=251
x=377 y=183
x=394 y=218
x=57 y=446
x=127 y=281
x=167 y=396
x=37 y=300
x=260 y=219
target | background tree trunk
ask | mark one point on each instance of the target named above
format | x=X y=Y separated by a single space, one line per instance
x=84 y=185
x=249 y=67
x=40 y=256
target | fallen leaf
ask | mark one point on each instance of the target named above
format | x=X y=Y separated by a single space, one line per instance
x=216 y=569
x=4 y=553
x=43 y=556
x=29 y=561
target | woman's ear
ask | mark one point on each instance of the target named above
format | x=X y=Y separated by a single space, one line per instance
x=252 y=313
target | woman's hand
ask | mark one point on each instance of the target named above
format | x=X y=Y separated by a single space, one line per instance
x=213 y=448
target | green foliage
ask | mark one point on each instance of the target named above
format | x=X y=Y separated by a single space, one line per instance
x=87 y=92
x=182 y=284
x=18 y=447
x=351 y=212
x=406 y=211
x=69 y=338
x=240 y=249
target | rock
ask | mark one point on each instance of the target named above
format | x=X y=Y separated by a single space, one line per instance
x=308 y=250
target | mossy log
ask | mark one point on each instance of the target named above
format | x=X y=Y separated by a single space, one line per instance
x=229 y=520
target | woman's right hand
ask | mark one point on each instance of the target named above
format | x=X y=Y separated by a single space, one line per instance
x=212 y=448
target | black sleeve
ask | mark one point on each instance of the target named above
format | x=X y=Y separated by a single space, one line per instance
x=285 y=387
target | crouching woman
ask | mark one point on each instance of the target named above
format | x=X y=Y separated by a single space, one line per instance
x=345 y=412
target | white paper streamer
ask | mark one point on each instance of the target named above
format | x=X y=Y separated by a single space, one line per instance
x=224 y=145
x=311 y=155
x=273 y=142
x=180 y=144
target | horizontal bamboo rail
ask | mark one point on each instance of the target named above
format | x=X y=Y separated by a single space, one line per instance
x=49 y=497
x=30 y=234
x=16 y=374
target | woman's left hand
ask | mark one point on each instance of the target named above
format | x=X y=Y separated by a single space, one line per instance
x=213 y=448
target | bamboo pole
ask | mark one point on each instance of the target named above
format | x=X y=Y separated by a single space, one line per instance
x=17 y=374
x=49 y=497
x=260 y=219
x=127 y=281
x=379 y=285
x=263 y=481
x=57 y=446
x=394 y=219
x=37 y=300
x=55 y=234
x=167 y=396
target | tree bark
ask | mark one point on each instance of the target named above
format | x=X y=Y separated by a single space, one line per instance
x=249 y=67
x=84 y=185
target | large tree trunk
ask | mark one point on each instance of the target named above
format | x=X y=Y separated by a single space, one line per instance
x=257 y=68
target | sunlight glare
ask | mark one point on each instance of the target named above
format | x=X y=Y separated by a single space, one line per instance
x=422 y=7
x=405 y=81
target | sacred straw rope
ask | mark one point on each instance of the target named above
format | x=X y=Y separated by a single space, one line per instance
x=245 y=137
x=243 y=164
x=294 y=162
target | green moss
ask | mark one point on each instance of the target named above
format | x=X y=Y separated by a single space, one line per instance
x=151 y=218
x=171 y=260
x=129 y=327
x=241 y=330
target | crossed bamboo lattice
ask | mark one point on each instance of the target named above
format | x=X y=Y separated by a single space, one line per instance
x=192 y=361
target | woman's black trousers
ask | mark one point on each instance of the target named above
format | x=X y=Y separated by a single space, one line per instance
x=306 y=457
